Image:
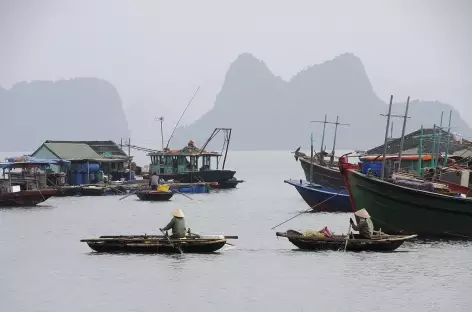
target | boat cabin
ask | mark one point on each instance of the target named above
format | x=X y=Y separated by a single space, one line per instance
x=190 y=158
x=26 y=173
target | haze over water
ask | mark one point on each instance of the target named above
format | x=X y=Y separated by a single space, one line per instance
x=44 y=267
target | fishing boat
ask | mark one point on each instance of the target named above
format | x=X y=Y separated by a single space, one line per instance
x=406 y=207
x=322 y=198
x=150 y=195
x=325 y=173
x=381 y=242
x=25 y=198
x=192 y=164
x=158 y=244
x=23 y=183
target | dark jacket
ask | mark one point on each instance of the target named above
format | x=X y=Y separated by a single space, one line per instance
x=365 y=228
x=178 y=227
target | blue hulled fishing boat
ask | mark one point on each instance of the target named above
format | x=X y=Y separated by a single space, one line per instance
x=326 y=199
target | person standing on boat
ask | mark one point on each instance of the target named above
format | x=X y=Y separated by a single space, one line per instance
x=364 y=224
x=154 y=181
x=177 y=224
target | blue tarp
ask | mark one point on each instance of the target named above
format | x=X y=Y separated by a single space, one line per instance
x=27 y=161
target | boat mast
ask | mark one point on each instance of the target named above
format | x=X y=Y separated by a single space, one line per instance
x=311 y=159
x=322 y=140
x=161 y=119
x=438 y=149
x=177 y=124
x=403 y=135
x=448 y=138
x=227 y=139
x=420 y=153
x=382 y=173
x=335 y=134
x=434 y=146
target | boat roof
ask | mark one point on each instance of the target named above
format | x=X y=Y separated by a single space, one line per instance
x=394 y=157
x=31 y=162
x=189 y=150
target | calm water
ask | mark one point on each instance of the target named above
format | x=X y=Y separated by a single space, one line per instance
x=44 y=267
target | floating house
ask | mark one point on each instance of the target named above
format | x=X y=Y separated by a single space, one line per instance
x=90 y=161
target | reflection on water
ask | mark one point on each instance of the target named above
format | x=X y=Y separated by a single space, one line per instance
x=45 y=267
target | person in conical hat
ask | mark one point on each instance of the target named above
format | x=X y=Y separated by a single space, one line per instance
x=362 y=214
x=364 y=224
x=177 y=224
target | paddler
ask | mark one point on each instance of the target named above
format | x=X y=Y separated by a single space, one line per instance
x=177 y=224
x=364 y=224
x=154 y=181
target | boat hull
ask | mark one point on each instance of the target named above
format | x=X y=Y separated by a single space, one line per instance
x=385 y=243
x=323 y=175
x=152 y=245
x=26 y=198
x=154 y=195
x=92 y=191
x=398 y=209
x=68 y=191
x=323 y=199
x=200 y=176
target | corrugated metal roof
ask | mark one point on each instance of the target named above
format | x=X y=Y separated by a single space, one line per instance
x=100 y=147
x=72 y=150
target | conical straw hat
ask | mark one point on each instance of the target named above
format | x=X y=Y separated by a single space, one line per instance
x=362 y=214
x=177 y=213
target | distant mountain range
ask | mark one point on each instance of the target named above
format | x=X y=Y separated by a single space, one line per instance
x=264 y=111
x=76 y=109
x=267 y=112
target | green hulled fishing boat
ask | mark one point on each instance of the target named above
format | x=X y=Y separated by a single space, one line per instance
x=406 y=208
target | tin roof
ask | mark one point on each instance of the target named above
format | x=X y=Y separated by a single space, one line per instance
x=71 y=150
x=102 y=148
x=100 y=151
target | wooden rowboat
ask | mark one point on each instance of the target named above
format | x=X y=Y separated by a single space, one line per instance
x=382 y=242
x=154 y=195
x=158 y=244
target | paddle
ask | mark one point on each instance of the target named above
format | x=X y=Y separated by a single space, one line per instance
x=168 y=239
x=311 y=208
x=182 y=194
x=347 y=236
x=126 y=196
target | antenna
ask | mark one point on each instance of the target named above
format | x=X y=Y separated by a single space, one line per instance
x=172 y=135
x=161 y=119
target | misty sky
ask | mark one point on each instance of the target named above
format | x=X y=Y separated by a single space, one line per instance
x=160 y=51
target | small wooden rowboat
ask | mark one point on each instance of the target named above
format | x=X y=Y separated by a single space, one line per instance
x=158 y=244
x=381 y=242
x=154 y=195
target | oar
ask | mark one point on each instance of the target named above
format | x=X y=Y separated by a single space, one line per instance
x=347 y=237
x=168 y=239
x=182 y=194
x=308 y=209
x=126 y=196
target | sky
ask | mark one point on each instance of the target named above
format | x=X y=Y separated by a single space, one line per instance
x=156 y=53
